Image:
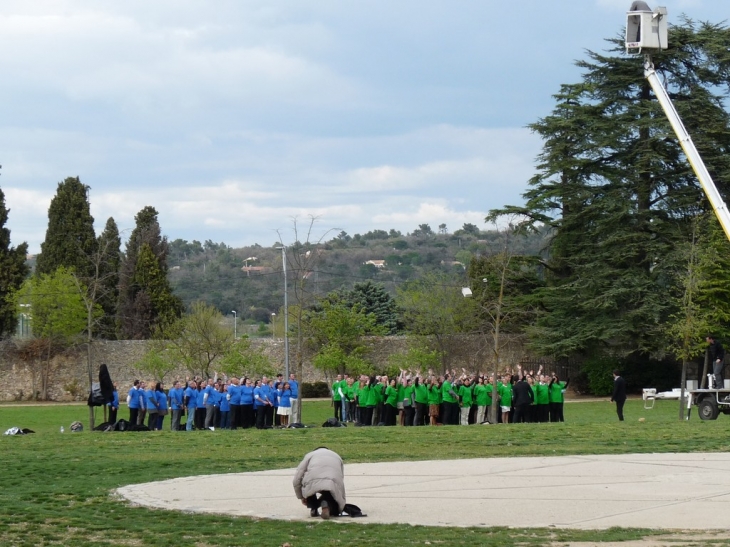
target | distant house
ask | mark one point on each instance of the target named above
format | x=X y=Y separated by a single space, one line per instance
x=452 y=263
x=175 y=268
x=380 y=264
x=256 y=270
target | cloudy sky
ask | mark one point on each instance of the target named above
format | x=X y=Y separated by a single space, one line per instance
x=233 y=117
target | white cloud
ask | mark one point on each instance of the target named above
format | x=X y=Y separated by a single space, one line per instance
x=441 y=174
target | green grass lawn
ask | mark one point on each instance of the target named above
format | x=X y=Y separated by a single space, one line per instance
x=56 y=487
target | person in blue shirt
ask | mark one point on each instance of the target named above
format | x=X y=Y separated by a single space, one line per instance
x=161 y=404
x=273 y=418
x=224 y=408
x=152 y=405
x=191 y=403
x=209 y=397
x=200 y=410
x=261 y=402
x=296 y=415
x=247 y=404
x=133 y=403
x=113 y=405
x=142 y=398
x=284 y=410
x=233 y=394
x=175 y=397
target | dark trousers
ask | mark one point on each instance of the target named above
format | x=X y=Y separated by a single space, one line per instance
x=410 y=412
x=367 y=415
x=112 y=415
x=556 y=412
x=620 y=409
x=200 y=418
x=543 y=413
x=421 y=414
x=521 y=413
x=133 y=413
x=260 y=417
x=451 y=414
x=247 y=416
x=225 y=416
x=472 y=414
x=315 y=503
x=390 y=412
x=235 y=416
x=338 y=409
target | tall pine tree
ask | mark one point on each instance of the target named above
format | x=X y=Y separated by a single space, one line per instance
x=110 y=259
x=618 y=193
x=146 y=301
x=13 y=271
x=70 y=238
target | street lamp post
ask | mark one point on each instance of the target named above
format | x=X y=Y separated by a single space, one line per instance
x=273 y=326
x=286 y=315
x=235 y=326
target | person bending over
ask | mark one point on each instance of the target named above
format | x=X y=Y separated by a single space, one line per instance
x=319 y=482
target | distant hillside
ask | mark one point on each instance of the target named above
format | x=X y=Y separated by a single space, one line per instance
x=249 y=280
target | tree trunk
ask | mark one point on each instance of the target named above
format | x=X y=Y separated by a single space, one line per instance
x=703 y=378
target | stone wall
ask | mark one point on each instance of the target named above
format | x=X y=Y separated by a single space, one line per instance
x=69 y=377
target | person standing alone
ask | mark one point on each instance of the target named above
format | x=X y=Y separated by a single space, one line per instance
x=619 y=394
x=717 y=357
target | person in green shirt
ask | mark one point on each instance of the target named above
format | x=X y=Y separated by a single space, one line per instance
x=434 y=400
x=375 y=400
x=505 y=398
x=450 y=402
x=401 y=387
x=481 y=397
x=337 y=397
x=409 y=403
x=466 y=399
x=391 y=402
x=489 y=384
x=354 y=391
x=347 y=399
x=363 y=398
x=556 y=391
x=421 y=397
x=542 y=400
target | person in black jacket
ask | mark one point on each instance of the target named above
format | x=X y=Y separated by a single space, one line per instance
x=717 y=358
x=522 y=398
x=619 y=394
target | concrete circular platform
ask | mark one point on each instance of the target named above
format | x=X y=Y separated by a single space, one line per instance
x=659 y=491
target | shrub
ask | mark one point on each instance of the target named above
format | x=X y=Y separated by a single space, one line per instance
x=599 y=371
x=315 y=390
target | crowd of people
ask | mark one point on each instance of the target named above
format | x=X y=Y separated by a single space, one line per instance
x=410 y=399
x=450 y=399
x=226 y=403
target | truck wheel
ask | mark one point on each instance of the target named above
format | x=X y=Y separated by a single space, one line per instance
x=707 y=409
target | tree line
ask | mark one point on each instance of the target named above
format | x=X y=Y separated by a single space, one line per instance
x=631 y=269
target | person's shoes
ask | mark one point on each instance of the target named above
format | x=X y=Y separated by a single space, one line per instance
x=313 y=513
x=325 y=510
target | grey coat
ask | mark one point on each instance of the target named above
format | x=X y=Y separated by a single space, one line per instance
x=321 y=470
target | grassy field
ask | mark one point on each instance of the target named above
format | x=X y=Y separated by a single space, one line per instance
x=56 y=487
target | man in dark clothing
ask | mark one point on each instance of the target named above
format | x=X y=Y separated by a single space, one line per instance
x=717 y=358
x=522 y=398
x=619 y=394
